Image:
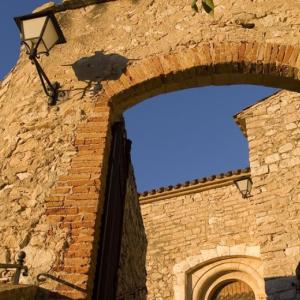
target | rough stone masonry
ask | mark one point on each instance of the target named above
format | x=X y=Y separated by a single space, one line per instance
x=198 y=222
x=53 y=161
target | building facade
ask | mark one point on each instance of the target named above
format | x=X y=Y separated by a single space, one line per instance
x=55 y=161
x=203 y=235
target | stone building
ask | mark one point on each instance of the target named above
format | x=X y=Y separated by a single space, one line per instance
x=60 y=165
x=202 y=235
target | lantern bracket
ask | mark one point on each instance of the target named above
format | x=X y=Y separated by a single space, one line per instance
x=39 y=38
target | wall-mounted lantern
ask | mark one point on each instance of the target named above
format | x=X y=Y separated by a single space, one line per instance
x=40 y=32
x=244 y=185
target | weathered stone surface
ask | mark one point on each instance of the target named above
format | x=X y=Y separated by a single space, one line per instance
x=132 y=273
x=20 y=292
x=187 y=230
x=178 y=228
x=46 y=6
x=53 y=160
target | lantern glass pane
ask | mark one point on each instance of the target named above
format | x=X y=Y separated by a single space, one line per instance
x=249 y=185
x=41 y=47
x=32 y=43
x=50 y=36
x=32 y=28
x=242 y=184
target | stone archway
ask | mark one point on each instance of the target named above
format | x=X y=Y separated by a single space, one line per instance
x=169 y=49
x=235 y=269
x=208 y=64
x=199 y=277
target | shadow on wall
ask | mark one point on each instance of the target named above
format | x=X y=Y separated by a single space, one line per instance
x=287 y=287
x=99 y=67
x=43 y=294
x=132 y=273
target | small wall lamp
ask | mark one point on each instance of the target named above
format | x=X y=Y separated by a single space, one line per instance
x=40 y=32
x=244 y=185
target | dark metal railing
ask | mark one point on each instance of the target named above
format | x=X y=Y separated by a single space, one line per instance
x=42 y=277
x=19 y=266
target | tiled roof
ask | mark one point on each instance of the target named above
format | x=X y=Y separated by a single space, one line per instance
x=200 y=181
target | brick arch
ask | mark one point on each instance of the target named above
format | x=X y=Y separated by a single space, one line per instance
x=225 y=63
x=76 y=200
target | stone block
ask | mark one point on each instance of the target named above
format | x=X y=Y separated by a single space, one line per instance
x=223 y=250
x=209 y=254
x=261 y=170
x=253 y=251
x=237 y=249
x=272 y=158
x=292 y=251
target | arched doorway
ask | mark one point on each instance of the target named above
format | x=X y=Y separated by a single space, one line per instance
x=213 y=64
x=205 y=279
x=235 y=290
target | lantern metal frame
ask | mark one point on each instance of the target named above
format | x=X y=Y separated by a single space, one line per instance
x=246 y=193
x=50 y=89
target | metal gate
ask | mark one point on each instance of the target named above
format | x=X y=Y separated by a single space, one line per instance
x=105 y=285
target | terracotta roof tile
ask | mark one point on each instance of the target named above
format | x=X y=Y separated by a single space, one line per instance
x=195 y=181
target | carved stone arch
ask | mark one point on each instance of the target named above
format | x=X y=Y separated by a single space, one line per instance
x=198 y=277
x=225 y=269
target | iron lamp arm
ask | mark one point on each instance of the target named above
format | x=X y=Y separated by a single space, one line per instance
x=43 y=77
x=50 y=89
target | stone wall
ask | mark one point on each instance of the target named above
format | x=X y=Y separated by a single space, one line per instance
x=53 y=161
x=12 y=292
x=132 y=272
x=37 y=145
x=195 y=225
x=272 y=127
x=27 y=292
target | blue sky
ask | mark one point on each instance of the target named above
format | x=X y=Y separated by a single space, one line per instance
x=189 y=134
x=177 y=136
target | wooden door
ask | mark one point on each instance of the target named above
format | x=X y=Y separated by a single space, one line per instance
x=105 y=285
x=236 y=290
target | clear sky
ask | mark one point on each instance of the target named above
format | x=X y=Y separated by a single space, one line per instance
x=189 y=134
x=177 y=136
